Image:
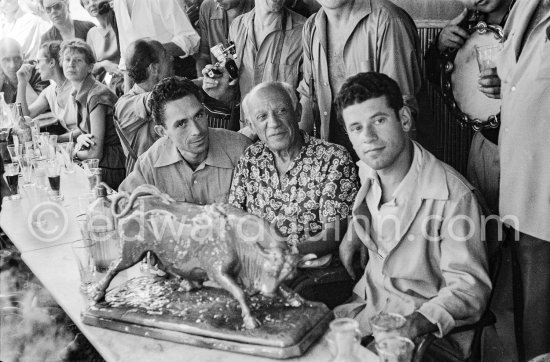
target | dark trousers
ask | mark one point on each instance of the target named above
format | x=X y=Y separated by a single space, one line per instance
x=531 y=288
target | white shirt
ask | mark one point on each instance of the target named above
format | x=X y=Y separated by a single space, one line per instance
x=27 y=29
x=161 y=20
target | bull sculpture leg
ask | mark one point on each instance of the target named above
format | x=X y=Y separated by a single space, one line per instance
x=131 y=255
x=229 y=284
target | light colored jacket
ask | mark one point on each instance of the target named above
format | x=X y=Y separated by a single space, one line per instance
x=438 y=267
x=524 y=140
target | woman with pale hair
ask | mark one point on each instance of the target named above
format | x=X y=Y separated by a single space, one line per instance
x=55 y=97
x=92 y=106
x=64 y=27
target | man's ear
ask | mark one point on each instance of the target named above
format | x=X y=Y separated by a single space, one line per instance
x=153 y=69
x=160 y=130
x=405 y=117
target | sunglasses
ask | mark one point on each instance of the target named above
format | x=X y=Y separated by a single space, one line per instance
x=54 y=7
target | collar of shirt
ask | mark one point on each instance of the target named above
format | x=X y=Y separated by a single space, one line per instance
x=361 y=9
x=217 y=13
x=216 y=156
x=424 y=179
x=277 y=26
x=268 y=155
x=81 y=95
x=136 y=89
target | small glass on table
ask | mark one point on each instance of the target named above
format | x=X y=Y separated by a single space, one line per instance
x=54 y=178
x=40 y=170
x=15 y=152
x=11 y=175
x=44 y=144
x=386 y=325
x=395 y=349
x=83 y=252
x=66 y=149
x=26 y=162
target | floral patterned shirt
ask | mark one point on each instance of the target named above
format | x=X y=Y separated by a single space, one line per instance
x=319 y=187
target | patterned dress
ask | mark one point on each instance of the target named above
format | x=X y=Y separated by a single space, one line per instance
x=319 y=187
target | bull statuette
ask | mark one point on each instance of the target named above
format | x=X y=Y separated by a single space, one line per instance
x=238 y=251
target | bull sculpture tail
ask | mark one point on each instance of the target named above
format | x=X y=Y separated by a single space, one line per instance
x=143 y=190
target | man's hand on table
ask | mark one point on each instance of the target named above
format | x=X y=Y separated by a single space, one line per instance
x=416 y=326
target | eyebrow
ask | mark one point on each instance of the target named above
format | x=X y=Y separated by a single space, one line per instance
x=379 y=114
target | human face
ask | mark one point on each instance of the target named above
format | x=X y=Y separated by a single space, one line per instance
x=273 y=118
x=228 y=4
x=75 y=67
x=11 y=60
x=377 y=132
x=484 y=6
x=44 y=65
x=272 y=6
x=57 y=11
x=8 y=6
x=187 y=126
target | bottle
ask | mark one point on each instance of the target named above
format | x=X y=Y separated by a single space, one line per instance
x=102 y=228
x=22 y=129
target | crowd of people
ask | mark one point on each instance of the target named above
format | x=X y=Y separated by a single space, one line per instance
x=315 y=133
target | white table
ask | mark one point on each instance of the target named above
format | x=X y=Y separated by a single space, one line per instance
x=54 y=266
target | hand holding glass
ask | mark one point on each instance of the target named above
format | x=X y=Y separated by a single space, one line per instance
x=486 y=56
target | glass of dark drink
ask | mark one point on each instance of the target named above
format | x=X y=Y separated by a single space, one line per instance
x=11 y=175
x=54 y=178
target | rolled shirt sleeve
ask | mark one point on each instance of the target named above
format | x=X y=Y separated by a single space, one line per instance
x=177 y=22
x=463 y=265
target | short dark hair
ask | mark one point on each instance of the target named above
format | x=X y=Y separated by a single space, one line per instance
x=78 y=46
x=141 y=54
x=364 y=86
x=172 y=89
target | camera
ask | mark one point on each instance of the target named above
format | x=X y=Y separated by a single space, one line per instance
x=226 y=58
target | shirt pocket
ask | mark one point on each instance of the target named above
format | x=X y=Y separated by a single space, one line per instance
x=282 y=72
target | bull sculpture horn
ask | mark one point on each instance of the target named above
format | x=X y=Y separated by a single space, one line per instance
x=143 y=190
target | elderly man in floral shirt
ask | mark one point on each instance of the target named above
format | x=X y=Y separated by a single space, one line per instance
x=303 y=186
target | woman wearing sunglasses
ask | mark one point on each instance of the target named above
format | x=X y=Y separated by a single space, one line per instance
x=92 y=107
x=64 y=27
x=55 y=96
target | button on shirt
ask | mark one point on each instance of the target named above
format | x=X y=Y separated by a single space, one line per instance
x=318 y=187
x=164 y=167
x=255 y=61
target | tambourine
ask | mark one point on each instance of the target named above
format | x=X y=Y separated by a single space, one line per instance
x=460 y=81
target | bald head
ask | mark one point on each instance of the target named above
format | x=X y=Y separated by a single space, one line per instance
x=268 y=87
x=146 y=59
x=11 y=57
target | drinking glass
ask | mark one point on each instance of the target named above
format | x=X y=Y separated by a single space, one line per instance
x=395 y=349
x=15 y=152
x=54 y=177
x=44 y=141
x=486 y=56
x=344 y=339
x=83 y=253
x=26 y=170
x=386 y=325
x=52 y=146
x=40 y=169
x=90 y=163
x=29 y=151
x=82 y=220
x=66 y=150
x=11 y=175
x=84 y=202
x=94 y=177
